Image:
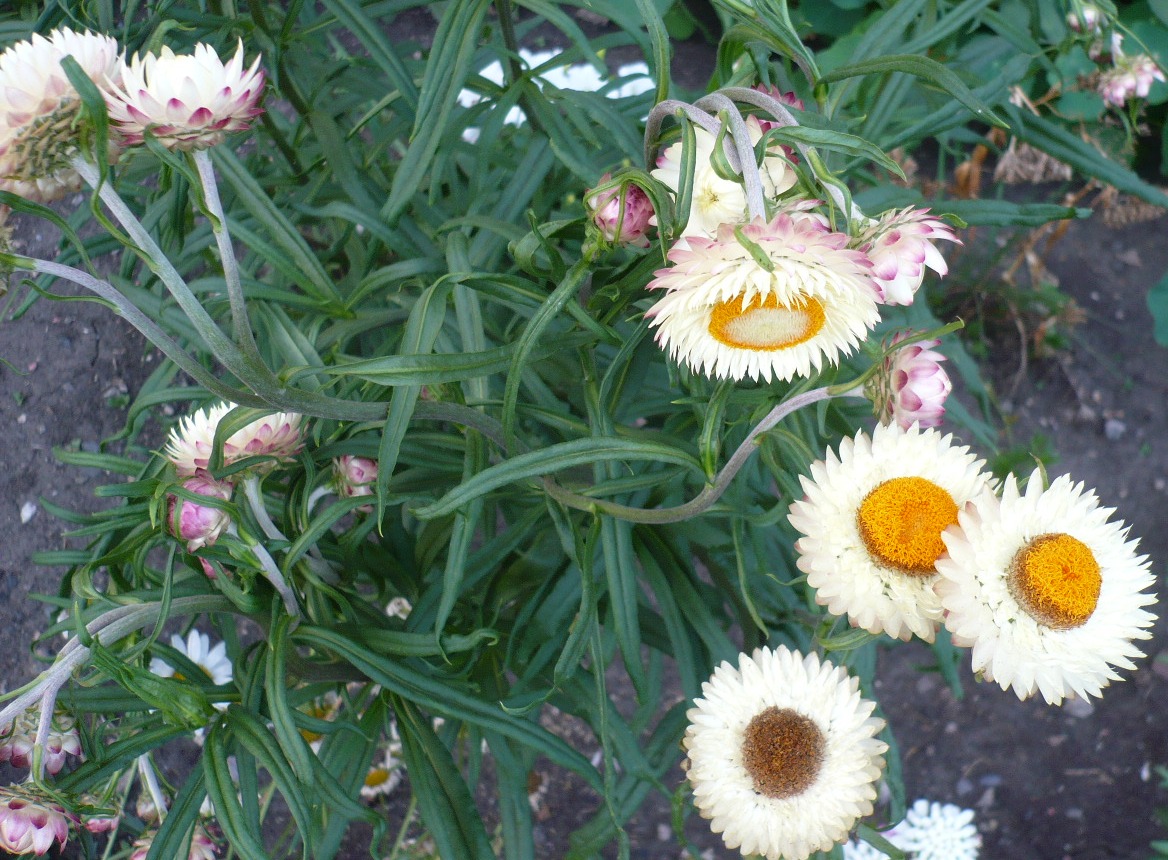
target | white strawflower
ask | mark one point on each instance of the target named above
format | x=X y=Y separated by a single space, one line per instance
x=187 y=101
x=1045 y=590
x=728 y=315
x=783 y=755
x=939 y=831
x=278 y=436
x=40 y=111
x=872 y=518
x=197 y=648
x=716 y=201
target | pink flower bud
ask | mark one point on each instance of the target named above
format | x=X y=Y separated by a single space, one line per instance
x=29 y=823
x=199 y=525
x=789 y=99
x=354 y=476
x=1091 y=20
x=621 y=218
x=900 y=246
x=915 y=385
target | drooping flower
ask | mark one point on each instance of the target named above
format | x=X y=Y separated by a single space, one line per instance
x=199 y=525
x=913 y=386
x=1045 y=590
x=939 y=831
x=197 y=648
x=1089 y=20
x=900 y=245
x=621 y=217
x=18 y=740
x=101 y=822
x=872 y=519
x=40 y=110
x=782 y=753
x=187 y=101
x=190 y=444
x=784 y=303
x=716 y=201
x=29 y=822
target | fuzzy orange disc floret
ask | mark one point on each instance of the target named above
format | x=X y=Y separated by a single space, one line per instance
x=1056 y=578
x=901 y=522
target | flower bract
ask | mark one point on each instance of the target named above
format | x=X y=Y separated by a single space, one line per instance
x=913 y=387
x=785 y=302
x=199 y=524
x=1045 y=590
x=783 y=755
x=872 y=518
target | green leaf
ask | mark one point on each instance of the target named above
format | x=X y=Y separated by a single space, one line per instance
x=173 y=837
x=448 y=809
x=1005 y=213
x=836 y=141
x=380 y=49
x=222 y=791
x=924 y=68
x=1158 y=306
x=877 y=841
x=303 y=762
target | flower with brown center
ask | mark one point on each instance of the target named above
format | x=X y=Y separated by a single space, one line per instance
x=1046 y=591
x=782 y=753
x=872 y=519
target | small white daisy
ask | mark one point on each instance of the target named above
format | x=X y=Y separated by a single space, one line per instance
x=938 y=831
x=1047 y=592
x=197 y=648
x=716 y=201
x=385 y=775
x=728 y=315
x=189 y=445
x=782 y=754
x=872 y=519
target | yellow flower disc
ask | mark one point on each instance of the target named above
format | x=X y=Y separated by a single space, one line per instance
x=764 y=324
x=901 y=523
x=782 y=751
x=1056 y=579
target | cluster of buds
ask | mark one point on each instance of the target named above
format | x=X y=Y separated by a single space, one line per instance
x=188 y=102
x=1131 y=76
x=18 y=740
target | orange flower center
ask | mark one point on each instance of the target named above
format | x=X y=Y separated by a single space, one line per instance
x=901 y=522
x=1056 y=578
x=782 y=751
x=765 y=324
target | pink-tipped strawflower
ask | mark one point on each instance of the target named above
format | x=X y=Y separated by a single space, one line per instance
x=275 y=436
x=354 y=476
x=187 y=101
x=40 y=111
x=202 y=845
x=622 y=217
x=199 y=525
x=900 y=245
x=764 y=300
x=1132 y=77
x=19 y=739
x=913 y=386
x=29 y=822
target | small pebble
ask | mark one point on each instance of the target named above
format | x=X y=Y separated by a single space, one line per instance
x=1114 y=429
x=27 y=511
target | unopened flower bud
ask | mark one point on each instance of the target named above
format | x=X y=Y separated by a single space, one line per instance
x=199 y=525
x=900 y=246
x=29 y=822
x=100 y=822
x=621 y=216
x=354 y=476
x=913 y=386
x=1089 y=21
x=18 y=740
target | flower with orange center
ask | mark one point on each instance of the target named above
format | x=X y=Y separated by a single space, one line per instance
x=1045 y=590
x=782 y=753
x=764 y=300
x=872 y=521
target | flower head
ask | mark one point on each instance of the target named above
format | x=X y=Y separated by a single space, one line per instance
x=716 y=201
x=623 y=217
x=783 y=755
x=938 y=831
x=354 y=476
x=202 y=846
x=900 y=245
x=190 y=444
x=187 y=101
x=105 y=821
x=30 y=823
x=1088 y=20
x=199 y=525
x=197 y=648
x=1131 y=76
x=40 y=111
x=872 y=519
x=1045 y=590
x=385 y=775
x=18 y=740
x=784 y=302
x=913 y=386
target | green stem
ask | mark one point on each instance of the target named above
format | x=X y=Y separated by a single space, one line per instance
x=255 y=500
x=514 y=70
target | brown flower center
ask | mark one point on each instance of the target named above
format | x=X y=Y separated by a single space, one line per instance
x=765 y=324
x=901 y=522
x=1056 y=578
x=782 y=751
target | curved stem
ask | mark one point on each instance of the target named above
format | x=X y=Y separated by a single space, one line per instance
x=48 y=707
x=315 y=496
x=241 y=324
x=669 y=107
x=255 y=500
x=711 y=492
x=272 y=571
x=150 y=780
x=751 y=178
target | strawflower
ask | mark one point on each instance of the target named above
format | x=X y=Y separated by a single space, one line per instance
x=913 y=386
x=197 y=648
x=622 y=217
x=354 y=476
x=187 y=101
x=938 y=831
x=782 y=753
x=40 y=111
x=199 y=525
x=29 y=822
x=189 y=445
x=18 y=740
x=1045 y=590
x=900 y=245
x=727 y=314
